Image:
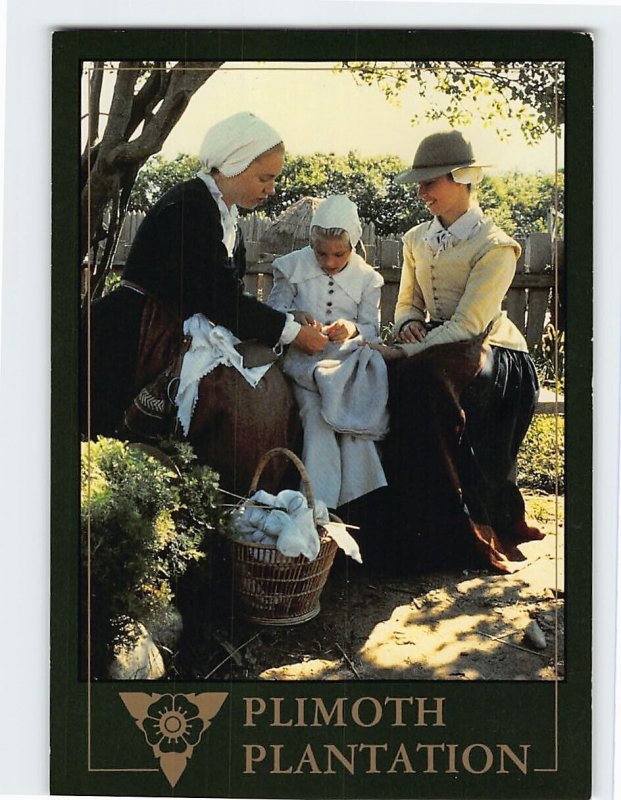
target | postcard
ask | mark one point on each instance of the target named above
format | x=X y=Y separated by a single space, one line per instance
x=321 y=413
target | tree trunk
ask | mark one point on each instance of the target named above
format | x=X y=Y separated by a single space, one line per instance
x=151 y=99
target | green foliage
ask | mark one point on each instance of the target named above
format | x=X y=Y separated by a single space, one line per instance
x=148 y=518
x=459 y=92
x=387 y=333
x=157 y=176
x=367 y=181
x=518 y=203
x=541 y=458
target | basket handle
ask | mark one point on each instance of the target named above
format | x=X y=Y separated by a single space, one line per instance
x=276 y=451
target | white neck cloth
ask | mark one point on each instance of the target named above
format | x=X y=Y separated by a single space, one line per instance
x=338 y=211
x=230 y=146
x=440 y=238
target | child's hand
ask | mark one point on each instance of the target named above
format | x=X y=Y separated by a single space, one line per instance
x=305 y=318
x=341 y=330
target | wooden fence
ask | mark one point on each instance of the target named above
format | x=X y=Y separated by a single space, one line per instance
x=535 y=290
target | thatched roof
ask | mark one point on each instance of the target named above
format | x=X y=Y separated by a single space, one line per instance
x=291 y=229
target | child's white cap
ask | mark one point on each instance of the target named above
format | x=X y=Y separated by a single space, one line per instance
x=338 y=211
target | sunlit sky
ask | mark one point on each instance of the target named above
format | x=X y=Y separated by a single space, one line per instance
x=319 y=110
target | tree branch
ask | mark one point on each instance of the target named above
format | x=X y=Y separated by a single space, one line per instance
x=94 y=99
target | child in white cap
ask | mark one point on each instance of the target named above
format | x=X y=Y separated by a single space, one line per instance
x=342 y=392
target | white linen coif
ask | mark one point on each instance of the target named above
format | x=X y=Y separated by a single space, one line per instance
x=338 y=211
x=232 y=144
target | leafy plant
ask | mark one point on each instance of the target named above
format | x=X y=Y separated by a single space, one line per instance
x=157 y=176
x=387 y=333
x=145 y=516
x=541 y=460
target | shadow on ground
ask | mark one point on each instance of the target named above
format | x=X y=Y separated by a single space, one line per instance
x=439 y=625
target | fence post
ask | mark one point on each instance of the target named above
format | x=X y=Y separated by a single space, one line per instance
x=515 y=302
x=538 y=257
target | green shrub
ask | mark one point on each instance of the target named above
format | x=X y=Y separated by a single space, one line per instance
x=541 y=460
x=149 y=515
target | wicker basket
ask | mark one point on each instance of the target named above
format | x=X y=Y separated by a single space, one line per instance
x=274 y=589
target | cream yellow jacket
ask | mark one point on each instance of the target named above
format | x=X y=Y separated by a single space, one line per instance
x=462 y=288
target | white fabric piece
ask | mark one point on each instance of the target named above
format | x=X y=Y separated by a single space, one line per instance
x=352 y=381
x=467 y=175
x=228 y=217
x=212 y=345
x=286 y=522
x=283 y=520
x=341 y=468
x=338 y=211
x=440 y=238
x=232 y=144
x=339 y=533
x=342 y=395
x=291 y=329
x=322 y=515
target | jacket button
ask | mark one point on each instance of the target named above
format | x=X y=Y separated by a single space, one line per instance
x=328 y=304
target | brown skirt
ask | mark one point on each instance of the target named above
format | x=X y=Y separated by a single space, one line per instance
x=458 y=415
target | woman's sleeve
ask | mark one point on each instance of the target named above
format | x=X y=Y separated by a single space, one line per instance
x=212 y=286
x=410 y=301
x=487 y=284
x=282 y=295
x=368 y=315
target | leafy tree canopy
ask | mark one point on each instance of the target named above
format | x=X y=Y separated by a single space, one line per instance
x=519 y=203
x=149 y=98
x=460 y=92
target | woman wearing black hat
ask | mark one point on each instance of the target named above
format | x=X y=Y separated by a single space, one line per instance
x=463 y=387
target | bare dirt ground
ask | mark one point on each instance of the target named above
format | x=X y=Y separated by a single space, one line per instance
x=467 y=625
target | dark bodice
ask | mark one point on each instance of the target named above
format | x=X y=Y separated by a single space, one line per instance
x=178 y=255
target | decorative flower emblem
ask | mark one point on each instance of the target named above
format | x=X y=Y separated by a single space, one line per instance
x=173 y=724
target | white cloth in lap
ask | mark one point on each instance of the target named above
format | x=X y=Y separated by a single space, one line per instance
x=212 y=346
x=352 y=382
x=341 y=467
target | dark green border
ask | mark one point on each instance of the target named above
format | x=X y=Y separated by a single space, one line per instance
x=487 y=712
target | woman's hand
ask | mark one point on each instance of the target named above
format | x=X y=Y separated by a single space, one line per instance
x=340 y=331
x=310 y=340
x=387 y=352
x=413 y=331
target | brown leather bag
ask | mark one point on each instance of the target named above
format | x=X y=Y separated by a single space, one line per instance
x=152 y=414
